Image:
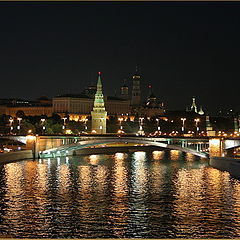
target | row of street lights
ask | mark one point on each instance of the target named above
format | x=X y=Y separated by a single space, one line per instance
x=18 y=126
x=196 y=120
x=42 y=123
x=140 y=132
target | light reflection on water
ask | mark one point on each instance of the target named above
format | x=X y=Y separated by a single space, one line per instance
x=149 y=195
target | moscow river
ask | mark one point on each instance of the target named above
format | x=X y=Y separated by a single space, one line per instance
x=123 y=195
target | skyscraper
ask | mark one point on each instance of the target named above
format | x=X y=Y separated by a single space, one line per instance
x=136 y=92
x=99 y=114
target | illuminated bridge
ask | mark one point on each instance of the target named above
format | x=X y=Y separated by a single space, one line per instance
x=69 y=149
x=65 y=145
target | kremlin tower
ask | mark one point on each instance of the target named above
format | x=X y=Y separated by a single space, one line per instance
x=99 y=114
x=136 y=92
x=124 y=90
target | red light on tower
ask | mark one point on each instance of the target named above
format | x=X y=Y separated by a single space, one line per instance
x=149 y=86
x=99 y=73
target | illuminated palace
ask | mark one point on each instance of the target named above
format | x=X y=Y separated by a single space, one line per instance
x=79 y=106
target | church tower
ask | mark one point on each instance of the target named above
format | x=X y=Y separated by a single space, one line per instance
x=136 y=92
x=194 y=106
x=124 y=90
x=99 y=113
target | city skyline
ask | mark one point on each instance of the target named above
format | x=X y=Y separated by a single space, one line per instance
x=182 y=50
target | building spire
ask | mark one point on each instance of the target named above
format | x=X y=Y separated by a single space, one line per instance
x=201 y=112
x=124 y=90
x=99 y=113
x=150 y=89
x=136 y=92
x=194 y=106
x=99 y=82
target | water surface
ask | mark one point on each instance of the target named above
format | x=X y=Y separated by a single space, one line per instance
x=140 y=195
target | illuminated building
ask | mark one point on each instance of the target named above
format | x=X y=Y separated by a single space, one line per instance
x=193 y=107
x=152 y=107
x=136 y=92
x=80 y=105
x=124 y=91
x=42 y=106
x=99 y=114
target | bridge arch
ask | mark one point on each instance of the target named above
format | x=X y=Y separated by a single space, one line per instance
x=69 y=149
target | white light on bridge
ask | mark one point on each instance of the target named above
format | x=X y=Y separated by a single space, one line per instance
x=119 y=156
x=94 y=159
x=139 y=155
x=157 y=155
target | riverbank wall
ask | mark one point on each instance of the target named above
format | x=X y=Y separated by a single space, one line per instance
x=15 y=156
x=231 y=165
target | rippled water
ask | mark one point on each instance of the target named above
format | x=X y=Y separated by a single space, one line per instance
x=147 y=195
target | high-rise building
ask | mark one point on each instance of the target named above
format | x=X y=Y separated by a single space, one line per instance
x=99 y=114
x=136 y=91
x=124 y=90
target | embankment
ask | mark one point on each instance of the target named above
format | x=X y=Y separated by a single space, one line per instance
x=231 y=165
x=15 y=156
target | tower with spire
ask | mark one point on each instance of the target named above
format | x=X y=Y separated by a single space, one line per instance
x=194 y=106
x=151 y=100
x=124 y=90
x=99 y=114
x=136 y=91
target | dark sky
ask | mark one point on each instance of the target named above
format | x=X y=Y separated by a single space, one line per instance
x=182 y=49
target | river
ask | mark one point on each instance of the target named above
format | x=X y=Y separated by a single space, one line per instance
x=159 y=194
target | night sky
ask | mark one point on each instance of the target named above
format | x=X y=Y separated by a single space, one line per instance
x=182 y=49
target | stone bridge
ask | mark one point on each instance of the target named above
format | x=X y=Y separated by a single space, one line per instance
x=66 y=150
x=47 y=146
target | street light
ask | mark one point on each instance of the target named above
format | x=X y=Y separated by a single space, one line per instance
x=141 y=132
x=11 y=125
x=42 y=122
x=19 y=123
x=64 y=122
x=158 y=127
x=183 y=120
x=120 y=122
x=197 y=120
x=85 y=123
